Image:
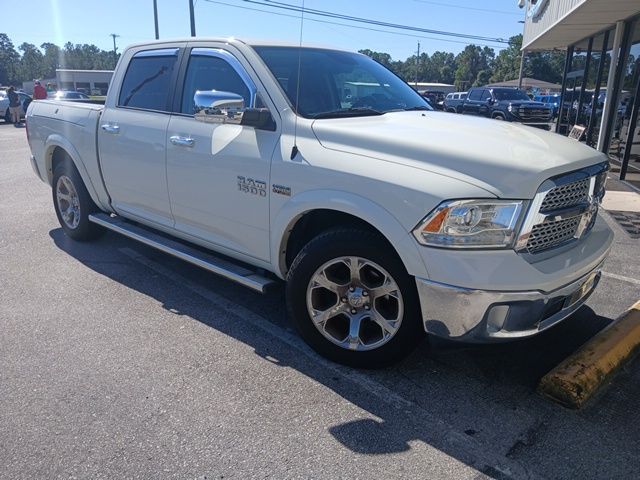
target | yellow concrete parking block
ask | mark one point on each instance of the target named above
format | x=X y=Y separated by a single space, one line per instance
x=578 y=378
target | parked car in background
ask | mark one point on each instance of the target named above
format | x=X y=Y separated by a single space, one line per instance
x=435 y=99
x=25 y=100
x=552 y=101
x=453 y=102
x=509 y=104
x=69 y=95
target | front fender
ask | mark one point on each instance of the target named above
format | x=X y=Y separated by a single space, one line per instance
x=340 y=201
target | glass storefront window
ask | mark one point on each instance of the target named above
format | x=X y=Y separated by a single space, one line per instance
x=625 y=138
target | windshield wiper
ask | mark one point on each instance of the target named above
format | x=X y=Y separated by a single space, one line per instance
x=349 y=112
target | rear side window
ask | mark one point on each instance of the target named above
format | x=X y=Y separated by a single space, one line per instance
x=148 y=79
x=463 y=96
x=475 y=94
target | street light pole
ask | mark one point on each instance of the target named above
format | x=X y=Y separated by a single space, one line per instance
x=155 y=17
x=115 y=49
x=193 y=19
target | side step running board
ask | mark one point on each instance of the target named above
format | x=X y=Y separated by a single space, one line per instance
x=180 y=250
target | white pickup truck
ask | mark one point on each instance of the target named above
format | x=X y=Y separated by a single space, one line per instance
x=262 y=161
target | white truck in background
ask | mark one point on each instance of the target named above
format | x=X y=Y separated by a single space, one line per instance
x=386 y=219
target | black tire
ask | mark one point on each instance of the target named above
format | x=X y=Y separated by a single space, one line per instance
x=499 y=116
x=335 y=244
x=84 y=230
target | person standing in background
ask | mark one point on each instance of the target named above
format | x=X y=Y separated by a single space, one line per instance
x=39 y=92
x=14 y=105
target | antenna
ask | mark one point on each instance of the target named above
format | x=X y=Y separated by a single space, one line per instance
x=294 y=150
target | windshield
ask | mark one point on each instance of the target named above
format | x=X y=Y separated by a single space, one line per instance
x=335 y=84
x=511 y=94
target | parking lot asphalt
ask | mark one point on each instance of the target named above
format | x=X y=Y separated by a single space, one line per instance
x=117 y=361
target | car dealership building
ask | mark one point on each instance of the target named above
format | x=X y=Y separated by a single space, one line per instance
x=601 y=82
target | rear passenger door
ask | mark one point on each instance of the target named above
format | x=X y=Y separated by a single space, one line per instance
x=132 y=137
x=471 y=105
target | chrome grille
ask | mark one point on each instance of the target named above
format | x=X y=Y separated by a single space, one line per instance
x=566 y=196
x=552 y=234
x=563 y=210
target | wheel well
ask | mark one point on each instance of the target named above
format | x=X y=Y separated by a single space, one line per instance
x=58 y=155
x=313 y=223
x=498 y=114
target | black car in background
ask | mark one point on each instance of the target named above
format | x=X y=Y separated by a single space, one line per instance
x=508 y=104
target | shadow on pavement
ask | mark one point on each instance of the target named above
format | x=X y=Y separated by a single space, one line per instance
x=476 y=403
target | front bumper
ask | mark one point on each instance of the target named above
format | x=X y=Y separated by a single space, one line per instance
x=483 y=316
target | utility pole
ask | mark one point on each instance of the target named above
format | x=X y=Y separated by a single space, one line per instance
x=155 y=17
x=193 y=19
x=115 y=49
x=417 y=66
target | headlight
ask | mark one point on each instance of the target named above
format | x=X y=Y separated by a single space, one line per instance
x=471 y=224
x=510 y=108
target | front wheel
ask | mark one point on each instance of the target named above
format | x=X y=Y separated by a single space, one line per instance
x=73 y=203
x=499 y=117
x=352 y=300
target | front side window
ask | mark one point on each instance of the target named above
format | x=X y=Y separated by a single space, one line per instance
x=148 y=80
x=486 y=95
x=211 y=73
x=329 y=84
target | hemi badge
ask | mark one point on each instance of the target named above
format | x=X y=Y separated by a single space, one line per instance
x=281 y=190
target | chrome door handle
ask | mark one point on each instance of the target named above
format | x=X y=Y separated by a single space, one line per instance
x=107 y=127
x=181 y=141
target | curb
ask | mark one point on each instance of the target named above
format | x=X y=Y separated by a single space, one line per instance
x=574 y=381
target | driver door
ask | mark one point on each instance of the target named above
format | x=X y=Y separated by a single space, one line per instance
x=218 y=174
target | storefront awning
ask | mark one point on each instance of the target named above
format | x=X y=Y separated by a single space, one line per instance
x=584 y=20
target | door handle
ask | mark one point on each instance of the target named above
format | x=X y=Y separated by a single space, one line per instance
x=181 y=141
x=109 y=128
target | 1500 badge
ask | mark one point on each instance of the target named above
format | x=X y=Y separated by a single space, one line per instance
x=254 y=187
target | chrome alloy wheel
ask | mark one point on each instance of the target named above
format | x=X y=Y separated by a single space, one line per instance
x=355 y=303
x=68 y=202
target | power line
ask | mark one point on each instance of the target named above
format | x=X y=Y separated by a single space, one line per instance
x=464 y=7
x=324 y=13
x=297 y=17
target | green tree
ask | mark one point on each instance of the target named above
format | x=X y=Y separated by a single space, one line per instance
x=471 y=61
x=51 y=59
x=9 y=61
x=507 y=63
x=32 y=62
x=380 y=57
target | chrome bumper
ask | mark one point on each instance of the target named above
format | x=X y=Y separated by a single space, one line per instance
x=484 y=316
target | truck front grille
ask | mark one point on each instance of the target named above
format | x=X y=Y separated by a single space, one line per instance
x=552 y=234
x=566 y=196
x=534 y=114
x=564 y=212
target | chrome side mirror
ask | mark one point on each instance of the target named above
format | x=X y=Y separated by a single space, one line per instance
x=212 y=106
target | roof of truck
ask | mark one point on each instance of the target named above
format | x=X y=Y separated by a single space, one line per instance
x=247 y=41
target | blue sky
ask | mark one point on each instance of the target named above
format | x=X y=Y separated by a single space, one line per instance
x=60 y=21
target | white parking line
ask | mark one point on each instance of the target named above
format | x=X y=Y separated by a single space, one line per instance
x=475 y=453
x=622 y=278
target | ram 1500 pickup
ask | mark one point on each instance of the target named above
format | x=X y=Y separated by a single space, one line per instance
x=319 y=167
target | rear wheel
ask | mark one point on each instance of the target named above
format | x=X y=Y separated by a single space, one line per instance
x=72 y=203
x=352 y=300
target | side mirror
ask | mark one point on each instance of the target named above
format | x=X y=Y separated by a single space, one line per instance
x=218 y=107
x=225 y=107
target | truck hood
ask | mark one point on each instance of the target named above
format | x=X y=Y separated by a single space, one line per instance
x=506 y=159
